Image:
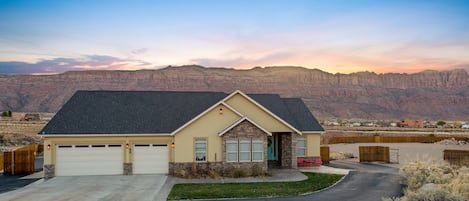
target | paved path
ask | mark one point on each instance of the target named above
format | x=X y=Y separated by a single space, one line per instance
x=366 y=182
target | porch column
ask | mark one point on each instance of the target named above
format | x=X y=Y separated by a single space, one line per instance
x=288 y=148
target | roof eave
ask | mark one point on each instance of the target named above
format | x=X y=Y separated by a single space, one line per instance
x=105 y=135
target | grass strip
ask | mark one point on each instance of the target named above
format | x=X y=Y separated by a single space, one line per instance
x=315 y=181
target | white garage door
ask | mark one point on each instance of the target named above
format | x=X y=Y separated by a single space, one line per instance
x=100 y=159
x=150 y=159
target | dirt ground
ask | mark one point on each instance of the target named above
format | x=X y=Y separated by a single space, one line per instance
x=405 y=152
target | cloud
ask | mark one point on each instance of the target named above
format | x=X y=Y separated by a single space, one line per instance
x=60 y=65
x=246 y=62
x=139 y=51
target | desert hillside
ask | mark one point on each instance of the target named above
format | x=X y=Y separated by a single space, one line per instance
x=429 y=95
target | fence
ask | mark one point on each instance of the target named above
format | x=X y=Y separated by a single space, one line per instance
x=20 y=161
x=457 y=157
x=1 y=162
x=325 y=154
x=374 y=153
x=390 y=139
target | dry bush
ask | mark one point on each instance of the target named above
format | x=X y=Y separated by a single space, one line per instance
x=436 y=194
x=460 y=183
x=256 y=171
x=419 y=173
x=183 y=174
x=448 y=182
x=213 y=174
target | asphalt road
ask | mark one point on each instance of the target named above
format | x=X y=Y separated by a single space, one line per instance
x=10 y=183
x=367 y=182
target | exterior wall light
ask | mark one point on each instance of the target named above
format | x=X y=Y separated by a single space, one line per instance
x=173 y=145
x=48 y=147
x=220 y=110
x=127 y=145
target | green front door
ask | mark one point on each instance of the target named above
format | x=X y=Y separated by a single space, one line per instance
x=272 y=143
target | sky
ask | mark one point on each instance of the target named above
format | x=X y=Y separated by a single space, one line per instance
x=337 y=36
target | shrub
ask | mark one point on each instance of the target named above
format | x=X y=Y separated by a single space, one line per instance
x=419 y=173
x=213 y=174
x=447 y=182
x=238 y=173
x=182 y=174
x=256 y=170
x=435 y=194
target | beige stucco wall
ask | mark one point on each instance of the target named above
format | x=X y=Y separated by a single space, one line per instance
x=256 y=114
x=208 y=126
x=49 y=155
x=313 y=141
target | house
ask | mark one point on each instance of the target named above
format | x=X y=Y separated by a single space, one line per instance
x=410 y=124
x=151 y=132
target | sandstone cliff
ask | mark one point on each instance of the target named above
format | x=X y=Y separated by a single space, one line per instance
x=424 y=95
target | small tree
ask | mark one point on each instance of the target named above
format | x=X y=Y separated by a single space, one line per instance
x=440 y=123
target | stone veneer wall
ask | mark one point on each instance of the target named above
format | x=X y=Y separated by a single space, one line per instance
x=195 y=167
x=244 y=131
x=128 y=169
x=49 y=171
x=288 y=150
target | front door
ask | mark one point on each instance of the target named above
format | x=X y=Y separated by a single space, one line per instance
x=272 y=147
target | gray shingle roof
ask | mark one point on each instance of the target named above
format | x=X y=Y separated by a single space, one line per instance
x=157 y=112
x=291 y=110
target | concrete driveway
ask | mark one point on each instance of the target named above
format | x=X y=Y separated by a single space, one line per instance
x=132 y=187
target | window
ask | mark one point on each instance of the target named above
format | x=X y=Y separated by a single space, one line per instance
x=200 y=150
x=257 y=150
x=244 y=150
x=301 y=147
x=232 y=151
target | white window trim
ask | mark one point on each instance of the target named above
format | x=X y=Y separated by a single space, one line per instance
x=244 y=152
x=195 y=149
x=236 y=152
x=262 y=151
x=297 y=147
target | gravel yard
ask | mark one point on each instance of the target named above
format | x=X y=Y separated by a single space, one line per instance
x=407 y=151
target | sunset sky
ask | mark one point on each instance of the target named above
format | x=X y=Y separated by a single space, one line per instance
x=46 y=36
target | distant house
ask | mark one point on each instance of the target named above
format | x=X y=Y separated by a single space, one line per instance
x=410 y=124
x=32 y=117
x=151 y=132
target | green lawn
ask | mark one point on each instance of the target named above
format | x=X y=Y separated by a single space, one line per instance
x=315 y=181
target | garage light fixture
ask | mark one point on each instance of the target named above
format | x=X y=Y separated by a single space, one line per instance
x=127 y=145
x=220 y=110
x=172 y=145
x=48 y=147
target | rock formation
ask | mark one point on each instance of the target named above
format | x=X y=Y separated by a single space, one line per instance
x=426 y=95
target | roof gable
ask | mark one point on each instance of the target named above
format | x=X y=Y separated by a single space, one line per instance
x=250 y=100
x=239 y=122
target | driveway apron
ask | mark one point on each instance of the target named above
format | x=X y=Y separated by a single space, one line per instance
x=133 y=187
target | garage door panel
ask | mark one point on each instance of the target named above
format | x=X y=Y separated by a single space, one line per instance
x=81 y=160
x=151 y=159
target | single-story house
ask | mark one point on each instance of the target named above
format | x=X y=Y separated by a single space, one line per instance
x=151 y=132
